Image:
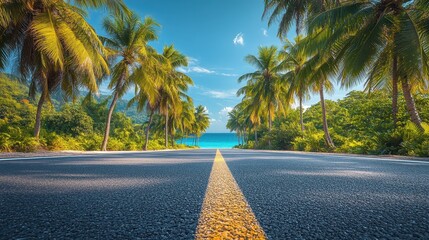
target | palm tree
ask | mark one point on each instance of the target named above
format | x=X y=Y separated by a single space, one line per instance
x=174 y=86
x=55 y=46
x=292 y=12
x=239 y=121
x=265 y=85
x=319 y=69
x=202 y=121
x=369 y=31
x=295 y=57
x=186 y=120
x=234 y=123
x=252 y=108
x=127 y=41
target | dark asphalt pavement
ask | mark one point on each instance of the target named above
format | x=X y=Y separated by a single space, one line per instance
x=159 y=195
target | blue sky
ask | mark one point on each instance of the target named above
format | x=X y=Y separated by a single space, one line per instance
x=216 y=35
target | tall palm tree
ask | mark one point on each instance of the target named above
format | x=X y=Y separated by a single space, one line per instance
x=319 y=69
x=367 y=31
x=289 y=11
x=265 y=85
x=252 y=108
x=127 y=41
x=202 y=121
x=54 y=44
x=186 y=120
x=234 y=123
x=174 y=86
x=295 y=58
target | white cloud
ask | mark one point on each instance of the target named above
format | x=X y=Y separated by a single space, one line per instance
x=212 y=120
x=206 y=110
x=200 y=70
x=229 y=74
x=221 y=94
x=239 y=39
x=194 y=67
x=265 y=32
x=224 y=112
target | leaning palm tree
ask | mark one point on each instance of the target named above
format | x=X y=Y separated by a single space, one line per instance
x=54 y=45
x=369 y=32
x=127 y=41
x=319 y=69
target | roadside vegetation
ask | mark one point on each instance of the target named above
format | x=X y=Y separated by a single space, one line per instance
x=383 y=45
x=56 y=62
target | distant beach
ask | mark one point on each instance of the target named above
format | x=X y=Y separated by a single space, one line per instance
x=213 y=140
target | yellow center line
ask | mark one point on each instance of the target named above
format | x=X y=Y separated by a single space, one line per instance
x=225 y=213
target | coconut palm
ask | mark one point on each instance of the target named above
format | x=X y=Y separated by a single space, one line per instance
x=186 y=120
x=369 y=32
x=292 y=12
x=174 y=86
x=127 y=41
x=319 y=70
x=295 y=57
x=265 y=85
x=202 y=121
x=54 y=44
x=235 y=123
x=251 y=107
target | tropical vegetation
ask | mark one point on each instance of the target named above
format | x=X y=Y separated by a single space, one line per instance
x=380 y=44
x=56 y=61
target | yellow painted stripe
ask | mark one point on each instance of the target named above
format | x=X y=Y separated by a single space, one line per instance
x=225 y=213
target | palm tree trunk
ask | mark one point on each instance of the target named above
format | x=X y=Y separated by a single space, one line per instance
x=166 y=129
x=109 y=118
x=411 y=105
x=38 y=123
x=147 y=130
x=256 y=139
x=395 y=91
x=301 y=120
x=328 y=138
x=270 y=123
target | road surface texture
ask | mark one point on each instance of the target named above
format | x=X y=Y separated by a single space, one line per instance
x=179 y=195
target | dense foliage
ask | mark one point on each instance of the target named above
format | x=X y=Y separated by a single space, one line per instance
x=360 y=123
x=71 y=126
x=383 y=44
x=57 y=54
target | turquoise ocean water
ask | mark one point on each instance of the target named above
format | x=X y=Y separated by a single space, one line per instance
x=213 y=140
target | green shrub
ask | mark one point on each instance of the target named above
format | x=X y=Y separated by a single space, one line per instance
x=6 y=144
x=416 y=143
x=352 y=146
x=115 y=145
x=27 y=144
x=156 y=144
x=312 y=142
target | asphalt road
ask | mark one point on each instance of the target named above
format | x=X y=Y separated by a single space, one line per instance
x=160 y=195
